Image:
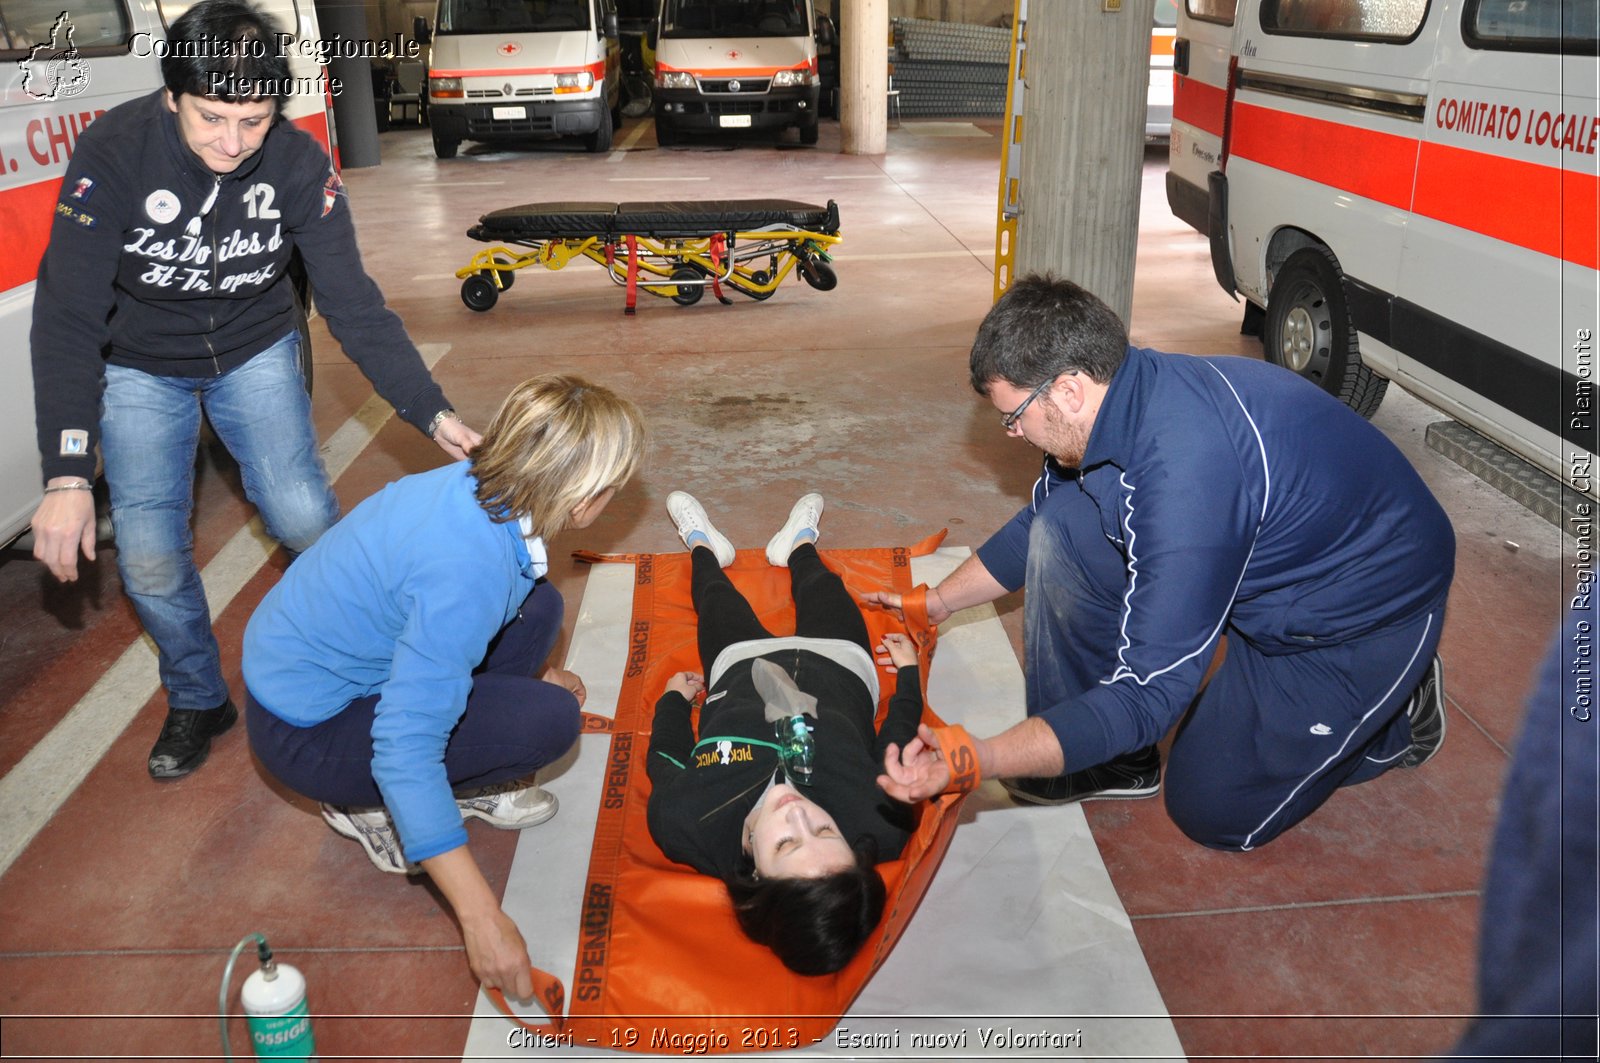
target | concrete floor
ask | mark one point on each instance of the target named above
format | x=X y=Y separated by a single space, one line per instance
x=1352 y=935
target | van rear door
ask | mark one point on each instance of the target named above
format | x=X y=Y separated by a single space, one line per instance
x=1200 y=54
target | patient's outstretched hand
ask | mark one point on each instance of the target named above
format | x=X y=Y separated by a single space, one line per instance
x=918 y=771
x=689 y=684
x=897 y=651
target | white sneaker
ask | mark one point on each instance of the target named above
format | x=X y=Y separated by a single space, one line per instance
x=508 y=805
x=373 y=828
x=696 y=529
x=801 y=527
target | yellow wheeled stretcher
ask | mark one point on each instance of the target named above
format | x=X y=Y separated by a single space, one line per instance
x=672 y=249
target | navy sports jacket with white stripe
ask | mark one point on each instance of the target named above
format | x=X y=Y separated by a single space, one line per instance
x=1244 y=500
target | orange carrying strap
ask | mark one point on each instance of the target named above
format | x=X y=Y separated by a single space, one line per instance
x=662 y=964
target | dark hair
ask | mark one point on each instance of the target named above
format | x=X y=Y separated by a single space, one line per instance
x=815 y=925
x=226 y=50
x=1044 y=326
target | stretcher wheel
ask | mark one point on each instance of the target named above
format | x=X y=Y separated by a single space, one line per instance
x=687 y=294
x=478 y=293
x=819 y=275
x=507 y=277
x=760 y=276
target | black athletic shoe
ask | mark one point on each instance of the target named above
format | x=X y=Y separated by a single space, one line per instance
x=185 y=740
x=1129 y=776
x=1426 y=713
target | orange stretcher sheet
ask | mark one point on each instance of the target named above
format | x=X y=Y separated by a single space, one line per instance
x=661 y=957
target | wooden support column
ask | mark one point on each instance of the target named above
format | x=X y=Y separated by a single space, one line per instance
x=864 y=77
x=1083 y=144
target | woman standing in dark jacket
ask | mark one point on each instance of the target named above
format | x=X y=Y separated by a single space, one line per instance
x=798 y=860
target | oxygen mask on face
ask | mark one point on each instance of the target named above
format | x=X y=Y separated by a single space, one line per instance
x=796 y=747
x=789 y=710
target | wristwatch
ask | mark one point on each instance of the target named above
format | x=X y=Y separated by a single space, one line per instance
x=439 y=418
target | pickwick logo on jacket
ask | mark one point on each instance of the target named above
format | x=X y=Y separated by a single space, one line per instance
x=724 y=753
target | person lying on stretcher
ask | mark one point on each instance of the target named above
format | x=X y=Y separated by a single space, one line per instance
x=778 y=796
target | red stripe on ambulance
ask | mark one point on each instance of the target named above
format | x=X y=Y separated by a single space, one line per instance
x=1198 y=104
x=1553 y=211
x=25 y=215
x=1376 y=166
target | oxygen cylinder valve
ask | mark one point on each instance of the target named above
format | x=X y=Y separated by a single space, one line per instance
x=274 y=1003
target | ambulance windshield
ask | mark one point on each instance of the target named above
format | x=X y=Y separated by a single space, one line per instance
x=512 y=16
x=734 y=18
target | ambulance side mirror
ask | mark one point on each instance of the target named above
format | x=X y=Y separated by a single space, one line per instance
x=1180 y=56
x=420 y=30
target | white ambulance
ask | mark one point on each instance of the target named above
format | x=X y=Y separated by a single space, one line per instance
x=1406 y=191
x=519 y=69
x=736 y=65
x=64 y=63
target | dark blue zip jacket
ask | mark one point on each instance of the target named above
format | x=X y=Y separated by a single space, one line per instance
x=158 y=264
x=1244 y=499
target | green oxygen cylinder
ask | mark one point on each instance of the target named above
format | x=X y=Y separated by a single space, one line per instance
x=274 y=1001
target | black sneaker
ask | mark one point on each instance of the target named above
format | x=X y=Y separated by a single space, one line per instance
x=185 y=740
x=1131 y=775
x=1425 y=710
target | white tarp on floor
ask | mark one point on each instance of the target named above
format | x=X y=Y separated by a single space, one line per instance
x=1020 y=948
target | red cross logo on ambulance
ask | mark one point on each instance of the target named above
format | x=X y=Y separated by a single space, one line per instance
x=509 y=48
x=734 y=54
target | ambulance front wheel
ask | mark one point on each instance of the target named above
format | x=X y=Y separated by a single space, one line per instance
x=1308 y=330
x=819 y=275
x=599 y=141
x=478 y=293
x=809 y=133
x=444 y=147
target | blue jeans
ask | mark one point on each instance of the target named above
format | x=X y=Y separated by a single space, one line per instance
x=149 y=435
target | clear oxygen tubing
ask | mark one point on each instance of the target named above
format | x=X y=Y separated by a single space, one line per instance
x=265 y=954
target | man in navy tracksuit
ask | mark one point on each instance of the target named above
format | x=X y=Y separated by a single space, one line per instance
x=1184 y=499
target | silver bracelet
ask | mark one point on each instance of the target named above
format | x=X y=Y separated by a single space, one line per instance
x=69 y=487
x=439 y=419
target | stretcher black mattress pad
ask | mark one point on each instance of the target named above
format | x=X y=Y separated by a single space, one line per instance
x=663 y=218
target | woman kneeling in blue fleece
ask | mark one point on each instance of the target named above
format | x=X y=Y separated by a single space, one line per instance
x=391 y=672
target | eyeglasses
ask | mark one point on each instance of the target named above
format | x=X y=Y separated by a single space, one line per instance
x=1009 y=421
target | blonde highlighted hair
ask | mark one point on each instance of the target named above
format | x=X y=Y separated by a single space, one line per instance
x=557 y=442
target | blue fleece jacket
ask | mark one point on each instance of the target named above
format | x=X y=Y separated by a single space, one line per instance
x=1244 y=499
x=400 y=599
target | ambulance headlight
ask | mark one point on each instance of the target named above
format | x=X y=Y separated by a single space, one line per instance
x=579 y=81
x=675 y=79
x=788 y=79
x=445 y=88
